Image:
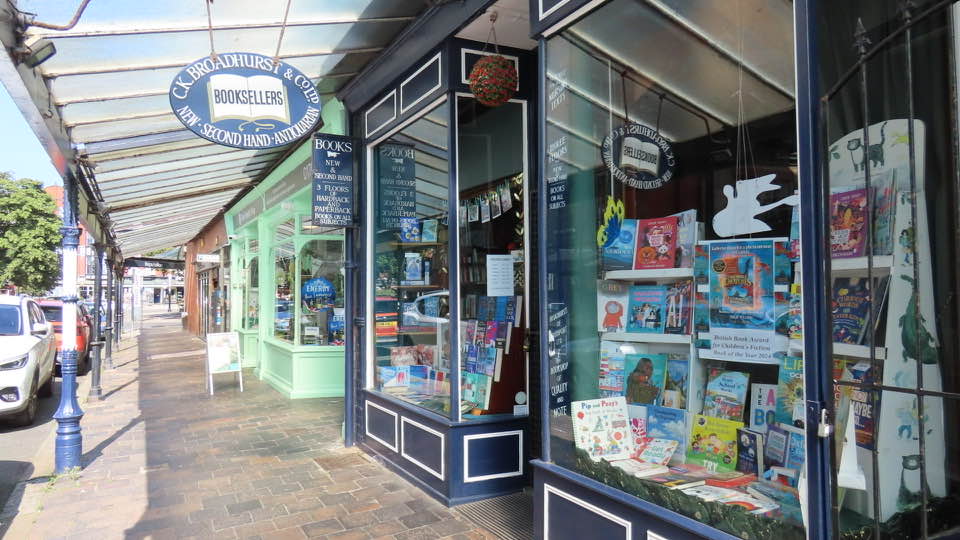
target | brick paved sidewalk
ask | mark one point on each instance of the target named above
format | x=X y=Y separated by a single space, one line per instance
x=162 y=459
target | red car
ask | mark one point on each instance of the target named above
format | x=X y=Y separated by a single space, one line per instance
x=53 y=310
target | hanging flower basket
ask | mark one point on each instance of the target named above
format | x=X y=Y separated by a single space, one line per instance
x=493 y=80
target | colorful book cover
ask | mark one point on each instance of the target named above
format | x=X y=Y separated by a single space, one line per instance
x=782 y=265
x=490 y=334
x=733 y=479
x=863 y=408
x=795 y=313
x=884 y=204
x=749 y=452
x=763 y=406
x=619 y=254
x=679 y=308
x=741 y=284
x=713 y=443
x=675 y=385
x=645 y=308
x=658 y=451
x=601 y=428
x=701 y=264
x=639 y=469
x=790 y=391
x=487 y=361
x=643 y=377
x=673 y=480
x=781 y=313
x=796 y=448
x=472 y=362
x=500 y=308
x=409 y=317
x=412 y=268
x=612 y=301
x=851 y=306
x=726 y=394
x=656 y=243
x=848 y=216
x=394 y=376
x=484 y=313
x=701 y=320
x=475 y=388
x=611 y=369
x=774 y=446
x=429 y=230
x=409 y=229
x=638 y=426
x=687 y=236
x=668 y=423
x=431 y=306
x=785 y=497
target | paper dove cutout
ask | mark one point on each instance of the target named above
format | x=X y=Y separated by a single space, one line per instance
x=740 y=215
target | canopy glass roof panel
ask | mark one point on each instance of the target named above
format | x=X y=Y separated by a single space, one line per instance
x=112 y=71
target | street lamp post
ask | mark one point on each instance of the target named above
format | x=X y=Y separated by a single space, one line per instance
x=69 y=441
x=97 y=339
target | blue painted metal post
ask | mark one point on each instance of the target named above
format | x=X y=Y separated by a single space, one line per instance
x=69 y=442
x=108 y=319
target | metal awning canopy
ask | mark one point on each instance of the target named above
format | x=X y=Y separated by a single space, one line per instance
x=106 y=89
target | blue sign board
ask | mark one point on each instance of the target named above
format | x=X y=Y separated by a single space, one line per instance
x=245 y=100
x=317 y=293
x=333 y=175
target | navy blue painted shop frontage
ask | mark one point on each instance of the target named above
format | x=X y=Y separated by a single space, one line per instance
x=730 y=226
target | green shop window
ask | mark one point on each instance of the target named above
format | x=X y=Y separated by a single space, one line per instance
x=285 y=279
x=321 y=316
x=251 y=294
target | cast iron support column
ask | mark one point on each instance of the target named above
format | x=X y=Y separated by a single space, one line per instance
x=69 y=442
x=118 y=312
x=108 y=329
x=96 y=338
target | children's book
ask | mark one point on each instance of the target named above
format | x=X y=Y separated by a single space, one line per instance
x=884 y=203
x=774 y=446
x=781 y=312
x=848 y=223
x=749 y=452
x=784 y=496
x=409 y=229
x=658 y=451
x=678 y=305
x=611 y=369
x=639 y=469
x=675 y=385
x=782 y=265
x=656 y=243
x=638 y=426
x=643 y=377
x=795 y=313
x=475 y=388
x=790 y=391
x=733 y=479
x=701 y=262
x=796 y=449
x=668 y=423
x=429 y=231
x=601 y=428
x=412 y=269
x=763 y=406
x=726 y=394
x=674 y=480
x=613 y=297
x=619 y=254
x=687 y=236
x=741 y=285
x=713 y=443
x=645 y=308
x=851 y=307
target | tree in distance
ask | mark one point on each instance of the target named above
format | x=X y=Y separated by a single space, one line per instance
x=29 y=236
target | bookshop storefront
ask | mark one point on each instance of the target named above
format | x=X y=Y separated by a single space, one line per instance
x=748 y=270
x=288 y=279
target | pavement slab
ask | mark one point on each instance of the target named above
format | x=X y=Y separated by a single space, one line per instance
x=164 y=459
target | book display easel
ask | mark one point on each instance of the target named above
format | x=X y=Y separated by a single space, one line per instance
x=900 y=305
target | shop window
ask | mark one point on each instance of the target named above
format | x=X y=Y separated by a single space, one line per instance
x=251 y=295
x=285 y=278
x=890 y=201
x=411 y=356
x=321 y=292
x=493 y=283
x=672 y=281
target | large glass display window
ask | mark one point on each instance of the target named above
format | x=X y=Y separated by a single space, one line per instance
x=321 y=317
x=676 y=370
x=251 y=294
x=890 y=202
x=285 y=280
x=410 y=267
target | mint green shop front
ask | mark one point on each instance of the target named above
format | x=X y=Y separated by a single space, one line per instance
x=274 y=250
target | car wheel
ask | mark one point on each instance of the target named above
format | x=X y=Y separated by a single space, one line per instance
x=46 y=389
x=29 y=414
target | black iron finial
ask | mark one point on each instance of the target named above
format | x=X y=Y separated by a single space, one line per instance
x=861 y=41
x=906 y=10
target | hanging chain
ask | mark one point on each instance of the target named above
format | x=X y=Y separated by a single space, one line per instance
x=492 y=34
x=283 y=28
x=213 y=53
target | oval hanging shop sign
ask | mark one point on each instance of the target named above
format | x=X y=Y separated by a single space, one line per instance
x=638 y=156
x=244 y=100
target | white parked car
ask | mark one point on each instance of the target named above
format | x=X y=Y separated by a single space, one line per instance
x=27 y=353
